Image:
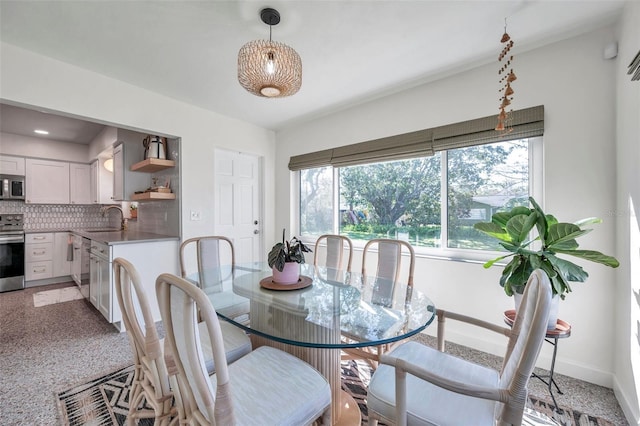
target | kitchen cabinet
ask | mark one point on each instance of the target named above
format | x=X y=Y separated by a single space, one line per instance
x=57 y=182
x=47 y=182
x=79 y=183
x=101 y=183
x=101 y=281
x=38 y=256
x=61 y=266
x=126 y=181
x=46 y=255
x=101 y=289
x=10 y=165
x=101 y=292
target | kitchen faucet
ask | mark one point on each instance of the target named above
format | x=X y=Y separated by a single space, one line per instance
x=123 y=223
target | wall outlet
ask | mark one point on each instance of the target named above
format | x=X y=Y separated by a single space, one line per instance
x=195 y=215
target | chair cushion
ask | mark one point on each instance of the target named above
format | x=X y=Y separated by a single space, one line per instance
x=272 y=387
x=236 y=344
x=428 y=404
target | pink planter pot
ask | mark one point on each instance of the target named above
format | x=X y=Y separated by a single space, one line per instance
x=289 y=275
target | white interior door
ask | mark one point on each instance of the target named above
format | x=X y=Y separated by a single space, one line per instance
x=238 y=203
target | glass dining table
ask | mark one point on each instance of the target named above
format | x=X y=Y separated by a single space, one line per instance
x=307 y=319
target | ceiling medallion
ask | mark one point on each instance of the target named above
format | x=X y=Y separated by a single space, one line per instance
x=268 y=68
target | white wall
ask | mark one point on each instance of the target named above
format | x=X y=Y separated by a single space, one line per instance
x=576 y=86
x=27 y=78
x=627 y=344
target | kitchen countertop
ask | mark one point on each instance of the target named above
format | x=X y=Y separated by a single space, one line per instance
x=113 y=237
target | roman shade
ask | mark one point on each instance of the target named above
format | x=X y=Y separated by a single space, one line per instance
x=525 y=123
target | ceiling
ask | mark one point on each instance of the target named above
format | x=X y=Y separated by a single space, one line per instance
x=352 y=51
x=24 y=122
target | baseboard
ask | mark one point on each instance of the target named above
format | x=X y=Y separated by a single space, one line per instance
x=630 y=410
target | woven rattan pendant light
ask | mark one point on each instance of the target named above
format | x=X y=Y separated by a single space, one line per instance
x=268 y=68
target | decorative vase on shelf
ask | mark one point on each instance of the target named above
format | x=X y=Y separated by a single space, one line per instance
x=290 y=274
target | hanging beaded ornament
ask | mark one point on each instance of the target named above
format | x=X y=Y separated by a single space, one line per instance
x=507 y=76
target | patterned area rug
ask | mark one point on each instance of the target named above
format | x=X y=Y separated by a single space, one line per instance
x=105 y=401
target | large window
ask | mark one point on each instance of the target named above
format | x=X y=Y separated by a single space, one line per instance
x=430 y=201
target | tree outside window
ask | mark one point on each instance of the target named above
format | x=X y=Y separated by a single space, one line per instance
x=402 y=199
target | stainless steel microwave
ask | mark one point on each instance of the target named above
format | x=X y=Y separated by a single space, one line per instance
x=11 y=187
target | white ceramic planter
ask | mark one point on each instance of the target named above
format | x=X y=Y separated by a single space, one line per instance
x=289 y=274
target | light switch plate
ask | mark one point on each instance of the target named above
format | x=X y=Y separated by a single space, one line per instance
x=195 y=215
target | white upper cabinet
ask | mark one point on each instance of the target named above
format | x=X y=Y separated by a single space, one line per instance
x=47 y=182
x=101 y=183
x=57 y=182
x=80 y=184
x=10 y=165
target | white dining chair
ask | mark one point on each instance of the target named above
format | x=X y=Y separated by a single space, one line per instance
x=388 y=257
x=265 y=387
x=337 y=253
x=419 y=385
x=215 y=261
x=152 y=366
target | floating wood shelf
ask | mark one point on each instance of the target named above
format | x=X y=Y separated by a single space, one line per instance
x=152 y=165
x=153 y=196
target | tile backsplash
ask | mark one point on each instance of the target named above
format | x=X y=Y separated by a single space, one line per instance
x=52 y=217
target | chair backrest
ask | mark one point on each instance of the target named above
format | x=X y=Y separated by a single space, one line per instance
x=525 y=341
x=179 y=302
x=338 y=249
x=140 y=326
x=388 y=266
x=209 y=252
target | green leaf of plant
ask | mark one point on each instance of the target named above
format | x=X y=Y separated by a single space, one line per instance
x=520 y=274
x=518 y=228
x=504 y=278
x=560 y=233
x=541 y=220
x=490 y=263
x=492 y=230
x=569 y=270
x=593 y=256
x=277 y=256
x=588 y=221
x=501 y=218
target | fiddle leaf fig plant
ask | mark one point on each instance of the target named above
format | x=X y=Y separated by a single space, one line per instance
x=554 y=238
x=287 y=251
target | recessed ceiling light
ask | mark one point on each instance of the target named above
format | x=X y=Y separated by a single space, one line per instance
x=41 y=132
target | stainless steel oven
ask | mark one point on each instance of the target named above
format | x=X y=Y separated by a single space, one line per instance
x=11 y=252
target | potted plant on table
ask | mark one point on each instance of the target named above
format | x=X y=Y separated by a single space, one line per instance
x=285 y=259
x=134 y=211
x=554 y=238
